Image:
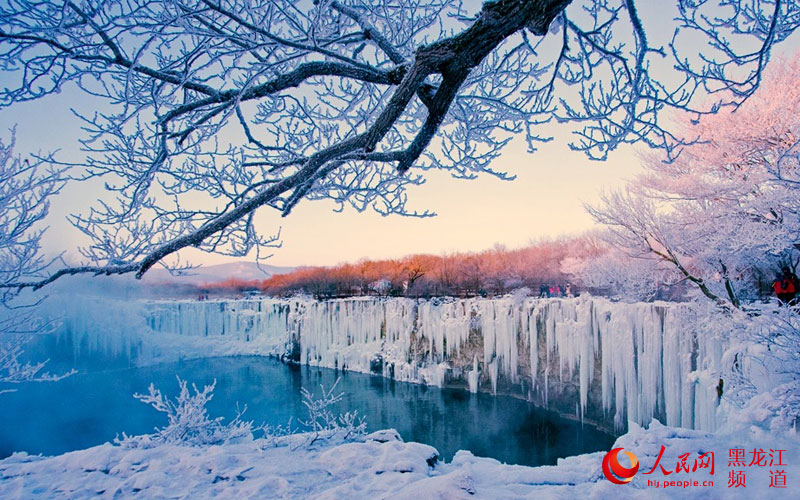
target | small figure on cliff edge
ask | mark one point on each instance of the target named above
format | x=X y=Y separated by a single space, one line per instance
x=544 y=291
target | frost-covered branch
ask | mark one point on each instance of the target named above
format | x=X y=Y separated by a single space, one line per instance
x=14 y=371
x=188 y=420
x=212 y=109
x=726 y=214
x=26 y=186
x=322 y=422
x=189 y=424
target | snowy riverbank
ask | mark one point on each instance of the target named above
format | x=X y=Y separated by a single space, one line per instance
x=381 y=466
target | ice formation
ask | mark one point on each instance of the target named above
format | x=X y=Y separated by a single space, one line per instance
x=588 y=356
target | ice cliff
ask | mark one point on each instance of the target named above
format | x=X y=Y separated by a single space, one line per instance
x=606 y=362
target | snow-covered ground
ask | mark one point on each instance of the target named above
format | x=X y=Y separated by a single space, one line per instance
x=381 y=465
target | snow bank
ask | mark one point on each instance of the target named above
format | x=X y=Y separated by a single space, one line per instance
x=382 y=466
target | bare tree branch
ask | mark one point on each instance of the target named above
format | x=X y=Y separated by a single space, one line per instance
x=212 y=109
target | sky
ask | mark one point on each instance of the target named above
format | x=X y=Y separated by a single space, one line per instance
x=544 y=201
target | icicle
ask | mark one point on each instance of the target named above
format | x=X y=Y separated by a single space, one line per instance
x=472 y=377
x=532 y=328
x=492 y=368
x=653 y=359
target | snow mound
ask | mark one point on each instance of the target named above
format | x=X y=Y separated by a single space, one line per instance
x=382 y=466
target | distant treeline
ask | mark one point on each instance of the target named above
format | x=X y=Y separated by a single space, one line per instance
x=491 y=272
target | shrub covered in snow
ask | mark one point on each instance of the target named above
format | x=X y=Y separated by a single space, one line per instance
x=323 y=423
x=189 y=423
x=14 y=371
x=765 y=354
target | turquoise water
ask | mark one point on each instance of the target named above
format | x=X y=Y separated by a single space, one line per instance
x=96 y=404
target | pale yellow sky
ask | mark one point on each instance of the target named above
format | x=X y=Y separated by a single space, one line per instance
x=544 y=200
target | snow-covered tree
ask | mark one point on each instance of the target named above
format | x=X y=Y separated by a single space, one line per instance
x=25 y=190
x=616 y=274
x=322 y=423
x=211 y=109
x=728 y=208
x=188 y=420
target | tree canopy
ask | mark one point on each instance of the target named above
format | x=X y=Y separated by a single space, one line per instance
x=211 y=109
x=725 y=215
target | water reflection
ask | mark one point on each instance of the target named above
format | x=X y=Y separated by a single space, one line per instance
x=95 y=405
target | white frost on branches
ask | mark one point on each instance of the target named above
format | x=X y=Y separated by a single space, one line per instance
x=212 y=109
x=189 y=424
x=26 y=187
x=323 y=423
x=188 y=420
x=725 y=215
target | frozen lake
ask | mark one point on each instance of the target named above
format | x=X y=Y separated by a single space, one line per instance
x=96 y=404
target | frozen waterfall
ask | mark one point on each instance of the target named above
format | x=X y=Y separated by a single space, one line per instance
x=590 y=357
